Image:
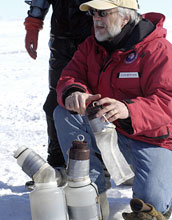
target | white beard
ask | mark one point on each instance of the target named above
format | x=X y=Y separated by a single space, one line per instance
x=110 y=32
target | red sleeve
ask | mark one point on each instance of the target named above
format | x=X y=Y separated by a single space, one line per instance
x=74 y=75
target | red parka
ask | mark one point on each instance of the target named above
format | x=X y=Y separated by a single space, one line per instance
x=141 y=77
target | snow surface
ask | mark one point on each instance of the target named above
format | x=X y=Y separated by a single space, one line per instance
x=24 y=86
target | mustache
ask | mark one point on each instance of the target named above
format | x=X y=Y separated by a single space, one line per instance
x=99 y=24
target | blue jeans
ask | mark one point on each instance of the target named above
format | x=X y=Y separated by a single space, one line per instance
x=152 y=164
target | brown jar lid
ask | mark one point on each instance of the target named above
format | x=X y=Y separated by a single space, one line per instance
x=79 y=150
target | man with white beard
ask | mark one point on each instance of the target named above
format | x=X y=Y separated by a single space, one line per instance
x=125 y=66
x=105 y=29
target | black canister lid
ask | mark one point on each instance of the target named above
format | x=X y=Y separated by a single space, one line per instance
x=79 y=151
x=92 y=111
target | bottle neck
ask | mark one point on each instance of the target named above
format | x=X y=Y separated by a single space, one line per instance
x=46 y=185
x=79 y=183
x=78 y=169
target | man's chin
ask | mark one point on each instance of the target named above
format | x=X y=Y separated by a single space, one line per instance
x=101 y=38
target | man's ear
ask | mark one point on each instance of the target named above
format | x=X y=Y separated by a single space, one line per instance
x=125 y=21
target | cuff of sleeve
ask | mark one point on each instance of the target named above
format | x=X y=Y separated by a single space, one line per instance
x=33 y=23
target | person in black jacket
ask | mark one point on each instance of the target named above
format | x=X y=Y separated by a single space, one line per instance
x=69 y=27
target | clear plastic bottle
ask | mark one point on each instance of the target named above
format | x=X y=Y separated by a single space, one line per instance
x=107 y=142
x=47 y=200
x=81 y=194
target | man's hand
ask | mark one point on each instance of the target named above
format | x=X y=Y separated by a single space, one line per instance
x=32 y=26
x=112 y=109
x=78 y=101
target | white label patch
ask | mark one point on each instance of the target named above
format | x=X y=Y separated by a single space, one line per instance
x=129 y=75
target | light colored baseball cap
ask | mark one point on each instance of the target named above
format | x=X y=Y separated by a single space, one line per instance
x=109 y=4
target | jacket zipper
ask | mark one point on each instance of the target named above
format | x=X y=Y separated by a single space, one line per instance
x=107 y=63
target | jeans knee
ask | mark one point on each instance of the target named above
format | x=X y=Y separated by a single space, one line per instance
x=58 y=113
x=55 y=113
x=153 y=196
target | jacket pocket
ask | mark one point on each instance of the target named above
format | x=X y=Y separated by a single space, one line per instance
x=126 y=88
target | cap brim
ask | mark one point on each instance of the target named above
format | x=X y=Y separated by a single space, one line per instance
x=100 y=5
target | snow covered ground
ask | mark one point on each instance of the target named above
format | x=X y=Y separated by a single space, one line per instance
x=24 y=86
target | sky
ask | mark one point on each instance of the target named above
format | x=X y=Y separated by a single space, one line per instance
x=18 y=9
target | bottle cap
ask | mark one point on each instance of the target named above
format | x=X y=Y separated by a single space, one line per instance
x=79 y=150
x=19 y=151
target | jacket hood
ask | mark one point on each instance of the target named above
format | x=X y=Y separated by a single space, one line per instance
x=158 y=20
x=159 y=31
